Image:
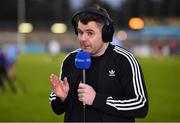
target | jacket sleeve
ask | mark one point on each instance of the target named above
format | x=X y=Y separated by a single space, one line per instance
x=134 y=102
x=57 y=105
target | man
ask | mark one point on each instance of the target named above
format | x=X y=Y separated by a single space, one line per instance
x=11 y=52
x=2 y=68
x=5 y=72
x=115 y=88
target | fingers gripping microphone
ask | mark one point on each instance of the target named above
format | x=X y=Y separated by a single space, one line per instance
x=83 y=61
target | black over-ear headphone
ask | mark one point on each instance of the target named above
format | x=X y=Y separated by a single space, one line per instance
x=108 y=28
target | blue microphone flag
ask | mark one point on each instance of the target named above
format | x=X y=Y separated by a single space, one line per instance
x=82 y=60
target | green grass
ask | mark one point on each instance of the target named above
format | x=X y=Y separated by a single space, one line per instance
x=32 y=81
x=163 y=84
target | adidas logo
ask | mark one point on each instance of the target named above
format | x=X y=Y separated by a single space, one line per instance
x=111 y=73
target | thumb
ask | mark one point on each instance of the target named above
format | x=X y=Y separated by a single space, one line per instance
x=65 y=81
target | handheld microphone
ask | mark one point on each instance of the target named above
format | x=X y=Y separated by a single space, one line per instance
x=83 y=61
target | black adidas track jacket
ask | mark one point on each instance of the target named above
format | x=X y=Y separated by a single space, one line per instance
x=119 y=84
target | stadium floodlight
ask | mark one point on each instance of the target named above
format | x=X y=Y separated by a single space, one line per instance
x=58 y=28
x=25 y=28
x=136 y=23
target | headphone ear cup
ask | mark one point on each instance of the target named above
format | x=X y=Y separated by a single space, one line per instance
x=111 y=32
x=75 y=30
x=107 y=32
x=74 y=23
x=104 y=33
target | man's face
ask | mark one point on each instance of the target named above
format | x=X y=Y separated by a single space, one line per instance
x=90 y=37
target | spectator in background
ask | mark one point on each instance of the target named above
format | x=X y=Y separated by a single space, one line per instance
x=116 y=41
x=11 y=51
x=2 y=68
x=54 y=47
x=172 y=47
x=4 y=72
x=158 y=46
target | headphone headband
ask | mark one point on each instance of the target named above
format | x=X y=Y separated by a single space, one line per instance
x=108 y=28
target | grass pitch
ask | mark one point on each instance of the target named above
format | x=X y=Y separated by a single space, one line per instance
x=32 y=82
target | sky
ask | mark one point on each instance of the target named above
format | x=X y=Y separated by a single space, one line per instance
x=78 y=3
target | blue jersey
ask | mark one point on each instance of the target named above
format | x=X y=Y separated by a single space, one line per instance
x=11 y=53
x=3 y=62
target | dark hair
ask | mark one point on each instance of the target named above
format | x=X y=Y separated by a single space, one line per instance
x=87 y=17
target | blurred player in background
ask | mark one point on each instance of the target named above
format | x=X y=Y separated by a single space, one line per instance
x=11 y=52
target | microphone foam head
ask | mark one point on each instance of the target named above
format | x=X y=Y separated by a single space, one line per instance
x=82 y=60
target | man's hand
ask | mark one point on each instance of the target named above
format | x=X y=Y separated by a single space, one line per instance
x=60 y=87
x=86 y=94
